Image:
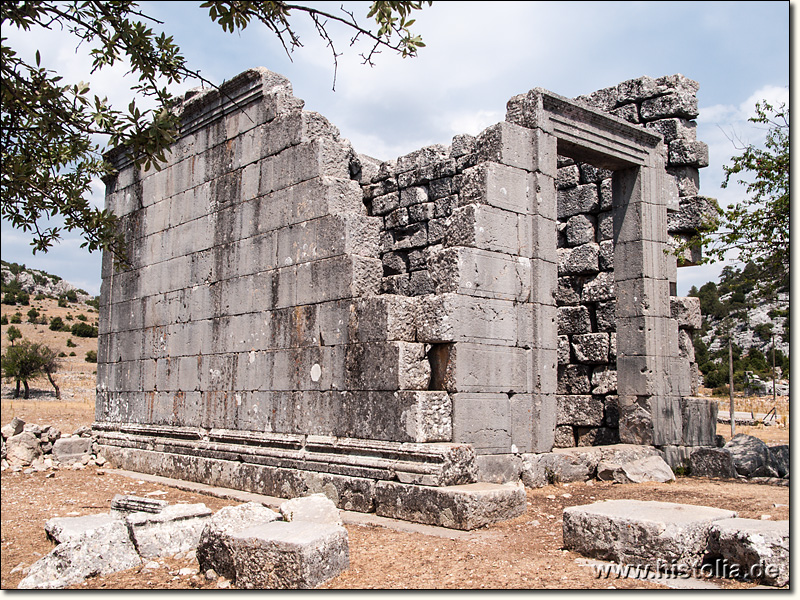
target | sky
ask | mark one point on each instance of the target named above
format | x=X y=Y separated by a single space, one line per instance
x=477 y=56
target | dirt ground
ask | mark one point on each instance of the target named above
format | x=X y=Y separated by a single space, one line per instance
x=525 y=552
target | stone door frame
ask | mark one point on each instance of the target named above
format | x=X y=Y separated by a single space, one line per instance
x=646 y=353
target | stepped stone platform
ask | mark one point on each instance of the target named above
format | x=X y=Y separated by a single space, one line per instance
x=660 y=535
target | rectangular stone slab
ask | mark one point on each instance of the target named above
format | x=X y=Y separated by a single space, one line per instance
x=457 y=506
x=634 y=532
x=281 y=555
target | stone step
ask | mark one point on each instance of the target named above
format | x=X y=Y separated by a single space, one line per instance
x=661 y=535
x=457 y=507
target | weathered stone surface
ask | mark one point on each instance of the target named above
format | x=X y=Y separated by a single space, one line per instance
x=658 y=534
x=574 y=379
x=213 y=549
x=686 y=152
x=316 y=508
x=591 y=348
x=175 y=529
x=129 y=504
x=686 y=310
x=498 y=468
x=70 y=449
x=604 y=380
x=581 y=260
x=579 y=410
x=282 y=555
x=97 y=551
x=573 y=319
x=780 y=457
x=651 y=468
x=67 y=529
x=456 y=507
x=712 y=462
x=559 y=466
x=580 y=230
x=22 y=449
x=15 y=427
x=759 y=548
x=578 y=200
x=751 y=456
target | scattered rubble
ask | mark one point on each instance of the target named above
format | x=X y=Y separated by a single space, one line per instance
x=40 y=448
x=249 y=545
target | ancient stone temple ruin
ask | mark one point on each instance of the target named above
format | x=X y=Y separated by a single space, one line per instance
x=298 y=317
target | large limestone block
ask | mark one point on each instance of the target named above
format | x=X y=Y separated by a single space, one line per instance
x=66 y=529
x=751 y=456
x=650 y=468
x=71 y=449
x=100 y=551
x=283 y=555
x=712 y=462
x=658 y=534
x=759 y=548
x=457 y=507
x=22 y=449
x=316 y=508
x=175 y=529
x=213 y=550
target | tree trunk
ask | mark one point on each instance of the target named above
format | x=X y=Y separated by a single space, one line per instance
x=16 y=392
x=27 y=389
x=53 y=383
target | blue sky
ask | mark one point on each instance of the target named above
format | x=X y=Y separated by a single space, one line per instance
x=478 y=55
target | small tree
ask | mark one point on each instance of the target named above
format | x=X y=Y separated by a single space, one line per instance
x=13 y=333
x=25 y=361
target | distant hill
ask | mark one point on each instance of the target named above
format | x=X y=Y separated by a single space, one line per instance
x=18 y=278
x=737 y=304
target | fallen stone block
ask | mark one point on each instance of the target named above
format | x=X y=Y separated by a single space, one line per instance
x=282 y=555
x=457 y=507
x=71 y=449
x=15 y=427
x=712 y=462
x=660 y=535
x=559 y=466
x=99 y=551
x=175 y=529
x=22 y=449
x=66 y=529
x=213 y=549
x=780 y=457
x=650 y=468
x=316 y=508
x=760 y=549
x=751 y=456
x=137 y=504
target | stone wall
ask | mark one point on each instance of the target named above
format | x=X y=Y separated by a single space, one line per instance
x=296 y=317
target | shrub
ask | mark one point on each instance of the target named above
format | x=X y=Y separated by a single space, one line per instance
x=91 y=356
x=81 y=317
x=23 y=298
x=25 y=361
x=62 y=355
x=57 y=324
x=71 y=344
x=33 y=314
x=16 y=318
x=72 y=354
x=4 y=320
x=13 y=333
x=84 y=330
x=72 y=296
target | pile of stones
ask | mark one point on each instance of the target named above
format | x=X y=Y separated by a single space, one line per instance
x=745 y=456
x=250 y=545
x=30 y=447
